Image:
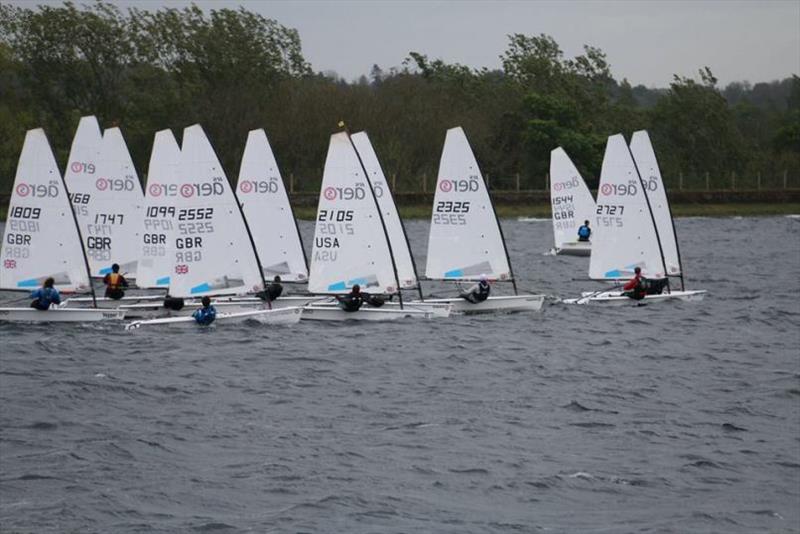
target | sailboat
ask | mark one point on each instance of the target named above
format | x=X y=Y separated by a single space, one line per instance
x=466 y=240
x=213 y=252
x=107 y=196
x=42 y=238
x=572 y=204
x=626 y=234
x=351 y=244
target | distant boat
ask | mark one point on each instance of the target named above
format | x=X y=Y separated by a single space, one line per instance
x=42 y=239
x=572 y=204
x=466 y=240
x=626 y=233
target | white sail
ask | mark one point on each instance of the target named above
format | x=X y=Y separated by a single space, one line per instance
x=107 y=197
x=391 y=217
x=266 y=207
x=645 y=159
x=157 y=238
x=624 y=236
x=41 y=239
x=212 y=253
x=350 y=246
x=571 y=200
x=465 y=240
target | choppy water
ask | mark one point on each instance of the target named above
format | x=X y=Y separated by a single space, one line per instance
x=671 y=418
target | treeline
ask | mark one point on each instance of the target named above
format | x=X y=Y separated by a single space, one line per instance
x=234 y=70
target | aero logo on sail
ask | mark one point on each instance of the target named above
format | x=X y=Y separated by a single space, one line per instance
x=115 y=184
x=187 y=190
x=622 y=190
x=460 y=186
x=82 y=167
x=259 y=186
x=569 y=184
x=345 y=193
x=37 y=190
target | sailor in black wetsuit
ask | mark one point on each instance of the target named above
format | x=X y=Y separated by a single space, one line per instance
x=272 y=291
x=352 y=301
x=479 y=292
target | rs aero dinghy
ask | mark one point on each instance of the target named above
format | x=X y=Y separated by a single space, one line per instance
x=42 y=239
x=466 y=240
x=351 y=242
x=634 y=228
x=572 y=204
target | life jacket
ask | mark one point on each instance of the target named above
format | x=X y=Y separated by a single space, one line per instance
x=205 y=316
x=584 y=232
x=114 y=281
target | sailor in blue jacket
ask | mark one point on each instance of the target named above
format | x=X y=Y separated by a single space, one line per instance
x=45 y=295
x=206 y=314
x=584 y=232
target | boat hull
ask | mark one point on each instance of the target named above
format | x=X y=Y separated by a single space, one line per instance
x=283 y=316
x=331 y=312
x=499 y=304
x=577 y=248
x=616 y=298
x=60 y=315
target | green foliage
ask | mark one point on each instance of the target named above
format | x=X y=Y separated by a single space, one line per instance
x=233 y=70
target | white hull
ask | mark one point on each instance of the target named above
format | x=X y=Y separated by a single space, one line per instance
x=284 y=316
x=110 y=304
x=437 y=309
x=331 y=312
x=616 y=298
x=576 y=248
x=500 y=304
x=60 y=315
x=156 y=311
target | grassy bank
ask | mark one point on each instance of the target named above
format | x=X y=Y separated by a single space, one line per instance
x=543 y=211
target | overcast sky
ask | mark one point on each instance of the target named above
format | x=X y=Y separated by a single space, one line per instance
x=646 y=42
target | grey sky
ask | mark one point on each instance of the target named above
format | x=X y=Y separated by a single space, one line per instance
x=646 y=42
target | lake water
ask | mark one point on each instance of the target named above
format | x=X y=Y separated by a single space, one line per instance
x=671 y=418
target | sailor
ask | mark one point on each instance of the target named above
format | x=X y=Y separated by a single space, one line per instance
x=272 y=291
x=206 y=314
x=45 y=295
x=635 y=288
x=478 y=292
x=376 y=301
x=114 y=283
x=352 y=301
x=584 y=232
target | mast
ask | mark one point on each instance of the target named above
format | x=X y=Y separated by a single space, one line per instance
x=652 y=217
x=502 y=237
x=671 y=220
x=380 y=214
x=80 y=238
